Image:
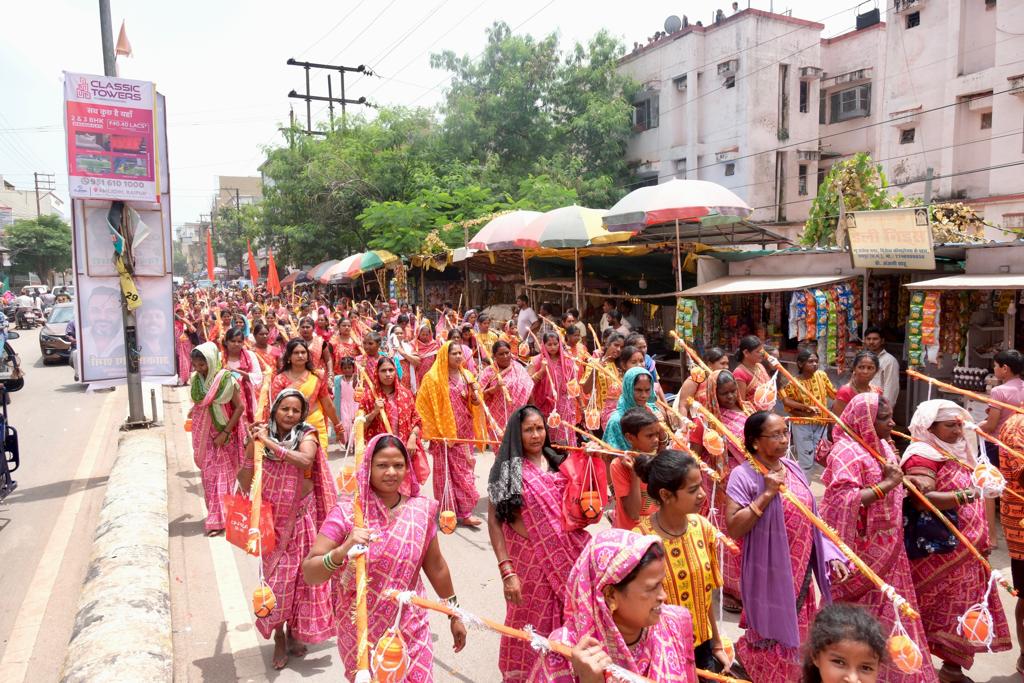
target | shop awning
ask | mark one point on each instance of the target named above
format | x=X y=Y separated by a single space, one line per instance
x=752 y=284
x=965 y=281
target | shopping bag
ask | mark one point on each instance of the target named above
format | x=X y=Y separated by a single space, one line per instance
x=236 y=514
x=586 y=492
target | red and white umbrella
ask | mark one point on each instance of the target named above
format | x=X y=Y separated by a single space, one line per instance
x=689 y=201
x=503 y=231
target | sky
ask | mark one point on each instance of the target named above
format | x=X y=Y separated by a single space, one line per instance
x=221 y=65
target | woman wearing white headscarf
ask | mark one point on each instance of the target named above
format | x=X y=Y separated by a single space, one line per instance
x=947 y=578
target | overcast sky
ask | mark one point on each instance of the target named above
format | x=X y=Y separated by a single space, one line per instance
x=221 y=65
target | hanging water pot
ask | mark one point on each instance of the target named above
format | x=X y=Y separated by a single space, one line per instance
x=713 y=442
x=590 y=504
x=573 y=388
x=347 y=478
x=448 y=521
x=593 y=418
x=263 y=601
x=554 y=420
x=904 y=653
x=976 y=626
x=389 y=660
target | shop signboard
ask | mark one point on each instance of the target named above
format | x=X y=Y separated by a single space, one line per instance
x=891 y=238
x=110 y=130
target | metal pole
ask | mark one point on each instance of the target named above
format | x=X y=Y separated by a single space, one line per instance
x=679 y=261
x=133 y=378
x=309 y=106
x=929 y=174
x=344 y=115
x=38 y=211
x=330 y=100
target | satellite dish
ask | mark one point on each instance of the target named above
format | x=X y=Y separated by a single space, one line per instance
x=673 y=24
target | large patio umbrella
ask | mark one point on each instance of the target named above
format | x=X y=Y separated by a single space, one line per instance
x=369 y=261
x=502 y=232
x=688 y=201
x=295 y=277
x=568 y=227
x=318 y=270
x=338 y=269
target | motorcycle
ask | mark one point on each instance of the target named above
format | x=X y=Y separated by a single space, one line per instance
x=12 y=378
x=9 y=459
x=27 y=318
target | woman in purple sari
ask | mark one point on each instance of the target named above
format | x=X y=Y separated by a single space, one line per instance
x=405 y=543
x=781 y=548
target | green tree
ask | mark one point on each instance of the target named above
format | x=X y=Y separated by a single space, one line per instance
x=39 y=245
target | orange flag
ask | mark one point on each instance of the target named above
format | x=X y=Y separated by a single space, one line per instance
x=273 y=283
x=209 y=255
x=254 y=272
x=123 y=47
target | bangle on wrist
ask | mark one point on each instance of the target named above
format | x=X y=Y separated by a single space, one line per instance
x=756 y=509
x=877 y=490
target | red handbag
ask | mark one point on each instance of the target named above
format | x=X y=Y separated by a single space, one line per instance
x=236 y=523
x=586 y=493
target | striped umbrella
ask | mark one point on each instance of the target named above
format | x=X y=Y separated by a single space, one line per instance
x=569 y=227
x=338 y=270
x=501 y=232
x=318 y=270
x=369 y=261
x=689 y=201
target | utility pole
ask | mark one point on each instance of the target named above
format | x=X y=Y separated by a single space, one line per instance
x=44 y=181
x=238 y=226
x=330 y=99
x=132 y=366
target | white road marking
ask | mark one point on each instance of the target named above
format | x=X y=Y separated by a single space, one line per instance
x=30 y=615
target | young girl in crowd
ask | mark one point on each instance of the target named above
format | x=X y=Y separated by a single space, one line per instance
x=845 y=645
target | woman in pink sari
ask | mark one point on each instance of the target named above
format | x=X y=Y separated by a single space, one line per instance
x=448 y=404
x=871 y=524
x=217 y=436
x=551 y=370
x=425 y=346
x=297 y=485
x=514 y=378
x=406 y=543
x=319 y=350
x=949 y=583
x=534 y=552
x=616 y=618
x=246 y=369
x=183 y=345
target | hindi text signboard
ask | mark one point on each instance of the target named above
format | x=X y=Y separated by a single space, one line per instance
x=892 y=238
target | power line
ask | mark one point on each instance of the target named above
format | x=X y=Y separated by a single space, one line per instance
x=332 y=29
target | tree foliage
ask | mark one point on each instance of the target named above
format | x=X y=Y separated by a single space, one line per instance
x=39 y=245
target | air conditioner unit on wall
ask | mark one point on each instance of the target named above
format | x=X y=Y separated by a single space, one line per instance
x=1016 y=84
x=810 y=73
x=680 y=83
x=728 y=68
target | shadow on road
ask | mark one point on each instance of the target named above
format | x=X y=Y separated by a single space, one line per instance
x=70 y=388
x=57 y=489
x=186 y=526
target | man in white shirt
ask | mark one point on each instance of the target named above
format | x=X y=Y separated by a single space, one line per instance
x=888 y=376
x=527 y=318
x=607 y=306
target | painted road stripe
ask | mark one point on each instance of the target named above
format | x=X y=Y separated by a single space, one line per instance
x=30 y=615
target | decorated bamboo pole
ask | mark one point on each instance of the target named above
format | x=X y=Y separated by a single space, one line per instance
x=486 y=355
x=373 y=395
x=788 y=495
x=490 y=421
x=914 y=491
x=253 y=545
x=362 y=630
x=964 y=392
x=498 y=627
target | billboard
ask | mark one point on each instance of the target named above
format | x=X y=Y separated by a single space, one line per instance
x=110 y=130
x=891 y=238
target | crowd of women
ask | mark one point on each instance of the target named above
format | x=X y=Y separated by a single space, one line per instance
x=704 y=493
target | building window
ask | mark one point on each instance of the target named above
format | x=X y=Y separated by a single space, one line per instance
x=986 y=120
x=907 y=136
x=805 y=96
x=730 y=81
x=730 y=168
x=681 y=168
x=822 y=105
x=802 y=180
x=645 y=113
x=913 y=19
x=849 y=104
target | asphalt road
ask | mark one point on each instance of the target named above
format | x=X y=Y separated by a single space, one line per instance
x=46 y=526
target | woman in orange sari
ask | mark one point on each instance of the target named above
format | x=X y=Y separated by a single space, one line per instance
x=395 y=400
x=344 y=344
x=298 y=372
x=268 y=356
x=319 y=350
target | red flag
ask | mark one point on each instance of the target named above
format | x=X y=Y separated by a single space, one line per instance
x=273 y=283
x=254 y=272
x=209 y=255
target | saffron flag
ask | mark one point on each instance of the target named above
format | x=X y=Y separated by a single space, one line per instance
x=123 y=47
x=254 y=272
x=209 y=255
x=273 y=282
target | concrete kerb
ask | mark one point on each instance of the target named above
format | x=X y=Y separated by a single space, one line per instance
x=122 y=629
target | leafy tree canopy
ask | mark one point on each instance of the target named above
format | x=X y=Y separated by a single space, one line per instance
x=40 y=245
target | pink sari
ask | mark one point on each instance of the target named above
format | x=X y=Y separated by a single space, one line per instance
x=183 y=347
x=455 y=464
x=517 y=380
x=217 y=464
x=543 y=563
x=873 y=532
x=308 y=610
x=558 y=373
x=664 y=652
x=393 y=563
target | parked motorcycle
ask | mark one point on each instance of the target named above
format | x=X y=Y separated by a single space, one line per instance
x=12 y=377
x=9 y=459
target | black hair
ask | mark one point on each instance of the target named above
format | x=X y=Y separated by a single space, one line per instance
x=656 y=553
x=614 y=316
x=838 y=622
x=1011 y=358
x=636 y=419
x=633 y=338
x=753 y=428
x=259 y=327
x=549 y=335
x=454 y=334
x=197 y=355
x=385 y=360
x=347 y=361
x=724 y=377
x=372 y=336
x=714 y=354
x=523 y=297
x=748 y=343
x=402 y=319
x=500 y=344
x=861 y=355
x=484 y=318
x=390 y=441
x=574 y=312
x=665 y=471
x=565 y=315
x=307 y=320
x=234 y=332
x=286 y=357
x=803 y=356
x=624 y=355
x=874 y=329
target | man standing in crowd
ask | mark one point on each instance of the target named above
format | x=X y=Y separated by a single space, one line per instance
x=527 y=319
x=888 y=376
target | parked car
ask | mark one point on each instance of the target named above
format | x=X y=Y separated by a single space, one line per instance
x=54 y=342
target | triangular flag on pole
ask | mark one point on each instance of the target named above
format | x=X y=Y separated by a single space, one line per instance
x=209 y=255
x=273 y=282
x=123 y=47
x=254 y=272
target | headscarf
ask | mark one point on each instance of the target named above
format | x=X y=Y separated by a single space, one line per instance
x=608 y=559
x=613 y=430
x=505 y=482
x=543 y=396
x=433 y=401
x=374 y=508
x=860 y=415
x=216 y=388
x=930 y=446
x=291 y=439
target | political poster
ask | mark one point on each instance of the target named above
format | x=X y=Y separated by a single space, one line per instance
x=110 y=130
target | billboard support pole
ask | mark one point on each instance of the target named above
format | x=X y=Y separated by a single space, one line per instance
x=136 y=411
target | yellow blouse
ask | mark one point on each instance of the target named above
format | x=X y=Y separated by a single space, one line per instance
x=820 y=387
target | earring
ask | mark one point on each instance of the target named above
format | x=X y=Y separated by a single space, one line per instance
x=613 y=606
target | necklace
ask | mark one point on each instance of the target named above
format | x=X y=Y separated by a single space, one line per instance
x=638 y=638
x=657 y=520
x=397 y=502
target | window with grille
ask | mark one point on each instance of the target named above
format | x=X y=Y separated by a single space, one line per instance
x=913 y=19
x=805 y=97
x=730 y=168
x=802 y=180
x=849 y=104
x=645 y=113
x=986 y=120
x=907 y=136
